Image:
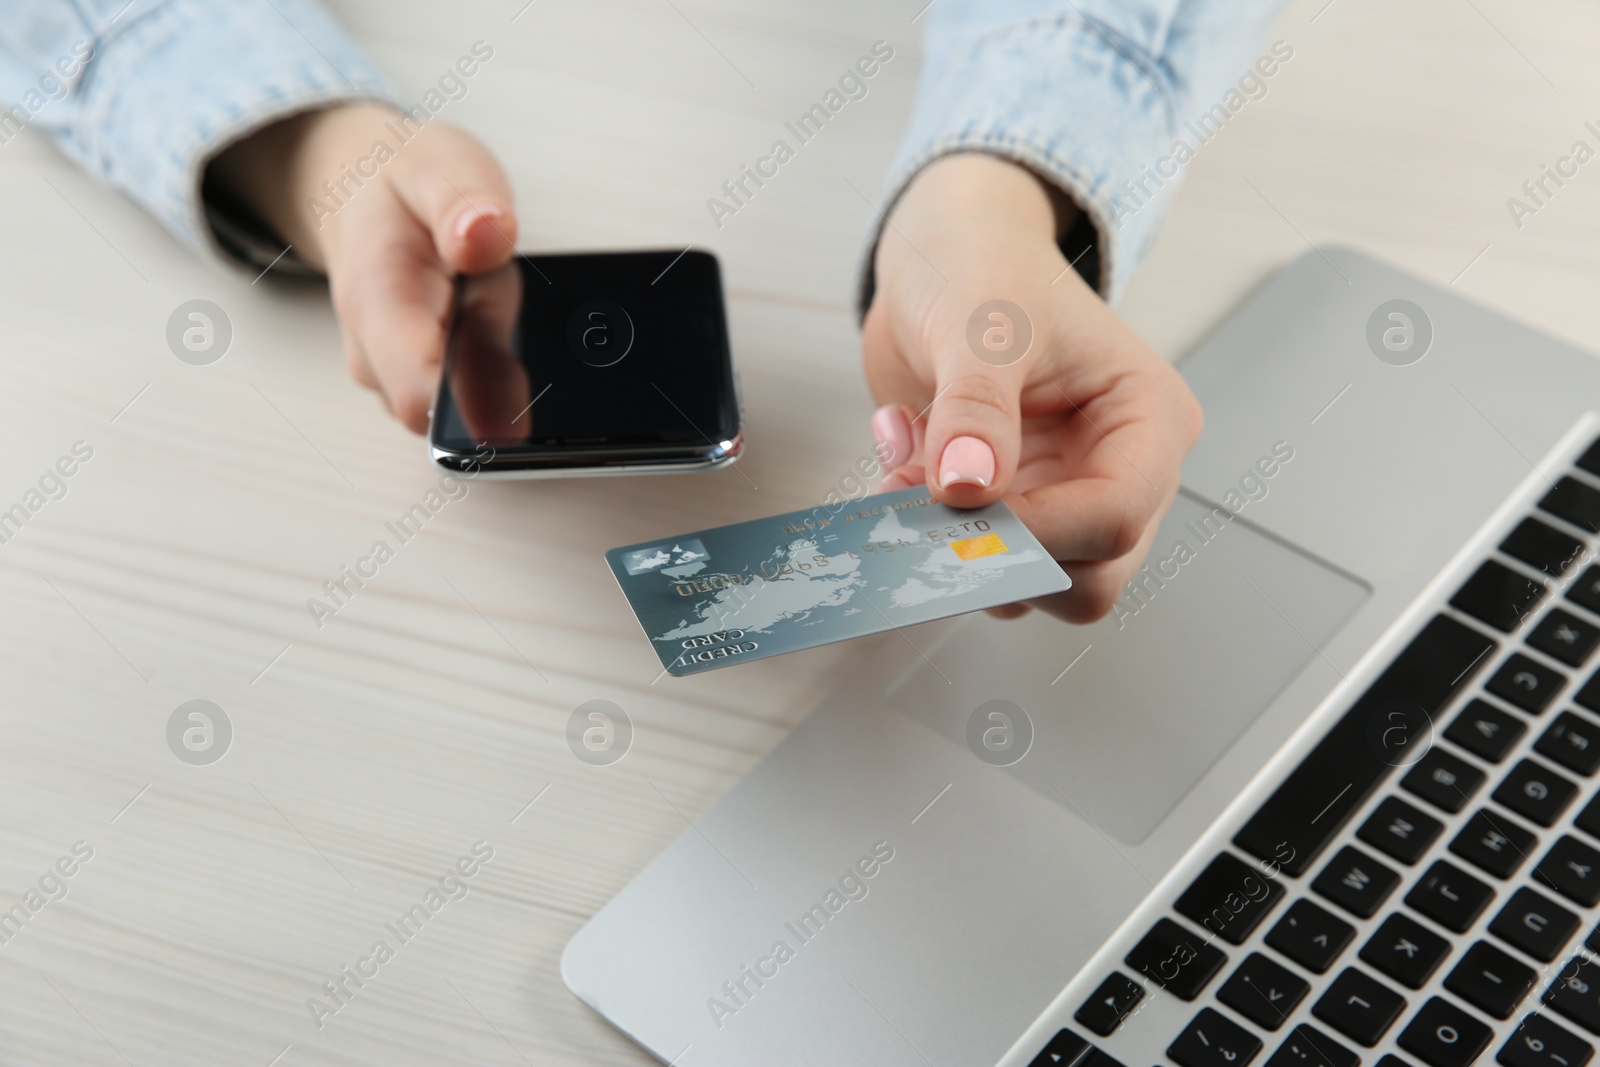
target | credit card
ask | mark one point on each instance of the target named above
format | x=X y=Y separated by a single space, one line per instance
x=755 y=589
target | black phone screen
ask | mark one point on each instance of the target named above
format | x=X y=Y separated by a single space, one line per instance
x=592 y=352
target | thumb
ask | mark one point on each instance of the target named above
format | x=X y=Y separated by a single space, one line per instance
x=457 y=189
x=974 y=432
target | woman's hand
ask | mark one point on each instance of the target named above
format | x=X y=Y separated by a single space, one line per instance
x=1080 y=429
x=437 y=205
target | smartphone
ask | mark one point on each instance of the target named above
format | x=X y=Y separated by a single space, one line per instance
x=586 y=364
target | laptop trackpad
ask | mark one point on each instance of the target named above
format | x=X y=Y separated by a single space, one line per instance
x=1129 y=713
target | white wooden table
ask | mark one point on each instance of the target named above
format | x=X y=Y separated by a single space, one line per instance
x=370 y=754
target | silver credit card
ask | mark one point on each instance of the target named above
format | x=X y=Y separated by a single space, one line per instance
x=761 y=588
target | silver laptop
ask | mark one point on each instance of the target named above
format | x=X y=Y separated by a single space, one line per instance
x=1317 y=794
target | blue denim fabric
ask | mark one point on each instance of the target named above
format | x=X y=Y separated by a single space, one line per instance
x=144 y=94
x=1088 y=93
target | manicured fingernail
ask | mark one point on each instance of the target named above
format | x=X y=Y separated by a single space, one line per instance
x=966 y=461
x=891 y=431
x=469 y=218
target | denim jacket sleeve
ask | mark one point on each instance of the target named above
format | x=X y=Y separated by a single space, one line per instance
x=1106 y=98
x=144 y=93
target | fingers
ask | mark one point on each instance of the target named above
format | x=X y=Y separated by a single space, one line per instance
x=897 y=435
x=970 y=429
x=393 y=299
x=488 y=381
x=973 y=428
x=457 y=189
x=903 y=478
x=400 y=322
x=1122 y=450
x=444 y=208
x=355 y=360
x=1097 y=585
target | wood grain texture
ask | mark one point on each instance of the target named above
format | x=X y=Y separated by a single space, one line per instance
x=371 y=753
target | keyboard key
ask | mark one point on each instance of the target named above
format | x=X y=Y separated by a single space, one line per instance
x=1263 y=991
x=1399 y=830
x=1306 y=1046
x=1537 y=792
x=1494 y=843
x=1108 y=1005
x=1442 y=1035
x=1444 y=780
x=1572 y=869
x=1490 y=979
x=1485 y=730
x=1310 y=936
x=1229 y=898
x=1576 y=993
x=1528 y=684
x=1450 y=896
x=1535 y=924
x=1542 y=547
x=1572 y=741
x=1214 y=1040
x=1589 y=695
x=1175 y=959
x=1308 y=810
x=1563 y=636
x=1538 y=1042
x=1356 y=882
x=1575 y=502
x=1405 y=950
x=1590 y=460
x=1392 y=1061
x=1499 y=596
x=1359 y=1007
x=1066 y=1049
x=1588 y=820
x=1586 y=590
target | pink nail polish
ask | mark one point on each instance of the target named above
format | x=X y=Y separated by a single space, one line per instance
x=967 y=461
x=891 y=431
x=470 y=216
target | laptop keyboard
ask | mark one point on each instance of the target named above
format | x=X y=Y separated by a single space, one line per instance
x=1456 y=918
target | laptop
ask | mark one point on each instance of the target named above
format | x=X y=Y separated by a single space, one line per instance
x=1320 y=792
